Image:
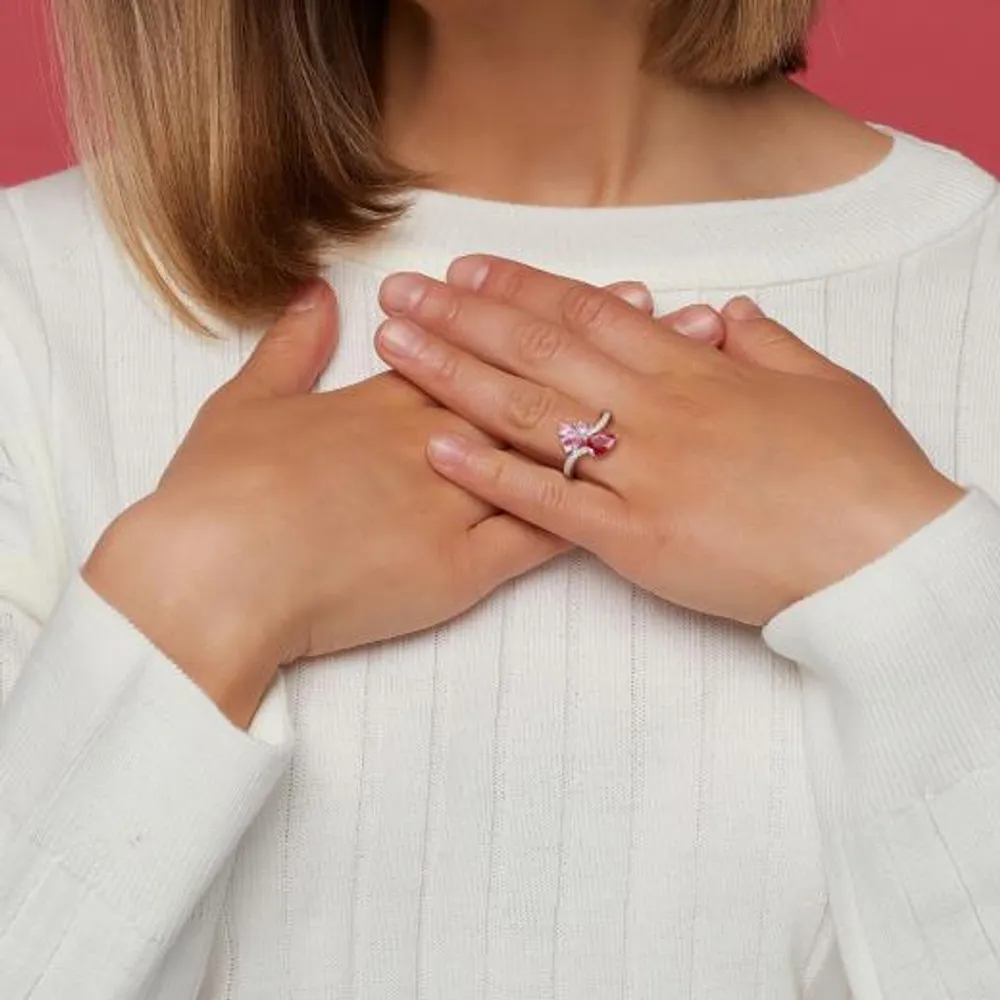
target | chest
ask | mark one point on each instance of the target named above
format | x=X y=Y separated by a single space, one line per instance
x=128 y=381
x=573 y=780
x=573 y=784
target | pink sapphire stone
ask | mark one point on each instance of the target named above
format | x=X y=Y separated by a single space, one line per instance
x=601 y=444
x=577 y=436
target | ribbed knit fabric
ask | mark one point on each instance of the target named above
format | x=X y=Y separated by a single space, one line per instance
x=576 y=791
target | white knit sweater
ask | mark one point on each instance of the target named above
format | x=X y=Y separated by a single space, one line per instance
x=576 y=791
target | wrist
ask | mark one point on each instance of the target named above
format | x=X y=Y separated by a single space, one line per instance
x=879 y=524
x=151 y=569
x=891 y=518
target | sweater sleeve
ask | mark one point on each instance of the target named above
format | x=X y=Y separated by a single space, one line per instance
x=901 y=670
x=123 y=790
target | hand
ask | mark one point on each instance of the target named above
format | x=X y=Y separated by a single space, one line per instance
x=745 y=478
x=292 y=524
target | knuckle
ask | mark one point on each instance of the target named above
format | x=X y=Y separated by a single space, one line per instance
x=585 y=308
x=551 y=493
x=529 y=408
x=445 y=366
x=495 y=474
x=504 y=282
x=537 y=340
x=443 y=307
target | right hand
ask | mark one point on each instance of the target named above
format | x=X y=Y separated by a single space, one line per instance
x=294 y=524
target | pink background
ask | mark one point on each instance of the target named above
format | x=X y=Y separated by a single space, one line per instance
x=926 y=66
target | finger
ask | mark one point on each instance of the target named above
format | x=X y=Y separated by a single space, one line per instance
x=511 y=339
x=503 y=548
x=608 y=323
x=636 y=294
x=579 y=512
x=517 y=411
x=700 y=324
x=752 y=337
x=292 y=355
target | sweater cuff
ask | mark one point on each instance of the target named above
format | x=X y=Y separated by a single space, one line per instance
x=906 y=656
x=115 y=766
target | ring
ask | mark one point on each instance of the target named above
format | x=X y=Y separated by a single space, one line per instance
x=580 y=440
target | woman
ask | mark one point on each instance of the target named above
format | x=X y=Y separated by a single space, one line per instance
x=598 y=780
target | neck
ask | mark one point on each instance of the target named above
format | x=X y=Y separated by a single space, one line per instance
x=549 y=103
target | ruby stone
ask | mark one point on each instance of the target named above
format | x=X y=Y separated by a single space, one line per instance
x=601 y=443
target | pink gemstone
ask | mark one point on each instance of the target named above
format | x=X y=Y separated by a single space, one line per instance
x=602 y=443
x=573 y=436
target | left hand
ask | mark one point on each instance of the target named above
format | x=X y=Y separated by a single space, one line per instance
x=745 y=479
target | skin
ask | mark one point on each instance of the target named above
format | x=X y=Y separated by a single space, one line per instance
x=747 y=477
x=252 y=553
x=546 y=102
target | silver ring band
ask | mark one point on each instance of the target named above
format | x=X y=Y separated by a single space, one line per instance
x=569 y=468
x=602 y=424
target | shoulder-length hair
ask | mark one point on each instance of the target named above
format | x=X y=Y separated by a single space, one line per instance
x=230 y=142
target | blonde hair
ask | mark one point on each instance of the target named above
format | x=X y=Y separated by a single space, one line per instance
x=230 y=142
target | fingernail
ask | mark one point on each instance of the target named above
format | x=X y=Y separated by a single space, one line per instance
x=636 y=295
x=743 y=308
x=699 y=323
x=401 y=338
x=449 y=450
x=469 y=272
x=307 y=297
x=403 y=292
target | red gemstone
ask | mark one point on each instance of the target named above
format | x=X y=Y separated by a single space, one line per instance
x=601 y=443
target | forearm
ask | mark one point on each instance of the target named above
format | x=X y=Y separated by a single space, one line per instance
x=902 y=682
x=123 y=794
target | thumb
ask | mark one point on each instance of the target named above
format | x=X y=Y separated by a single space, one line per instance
x=292 y=355
x=751 y=336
